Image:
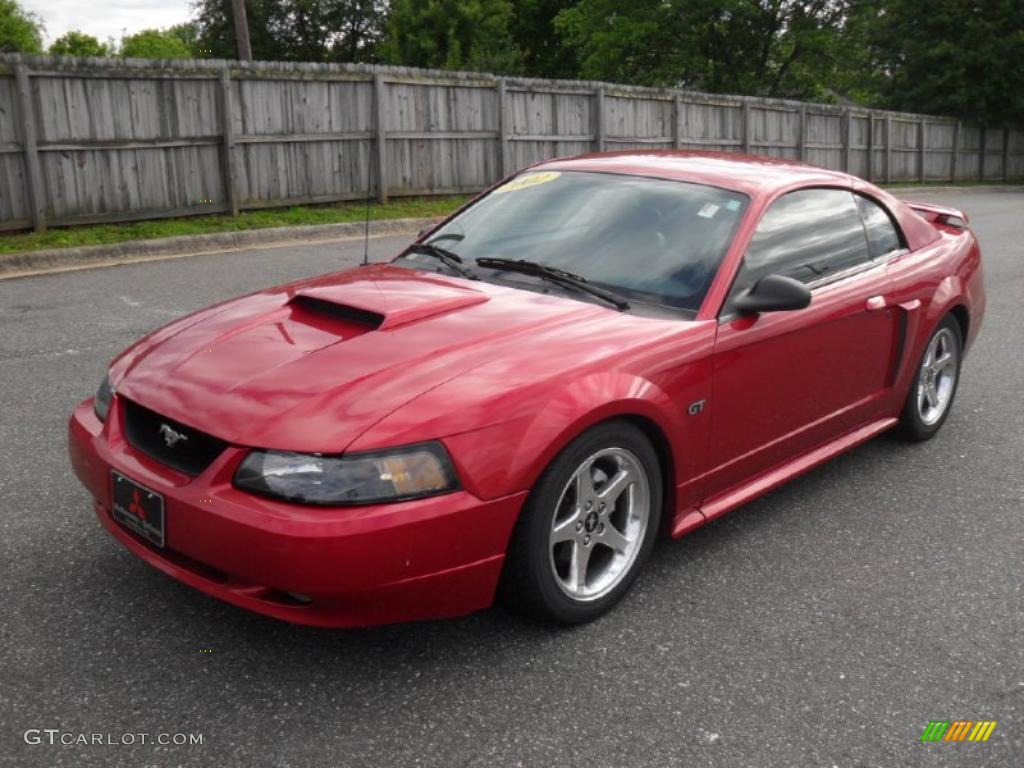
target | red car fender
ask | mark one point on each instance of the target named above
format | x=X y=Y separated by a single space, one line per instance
x=508 y=455
x=584 y=403
x=949 y=294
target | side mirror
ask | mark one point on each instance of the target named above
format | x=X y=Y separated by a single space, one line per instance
x=773 y=293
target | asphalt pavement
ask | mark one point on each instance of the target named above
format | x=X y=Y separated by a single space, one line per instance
x=823 y=625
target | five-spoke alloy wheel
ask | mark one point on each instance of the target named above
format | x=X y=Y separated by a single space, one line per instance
x=937 y=378
x=599 y=523
x=587 y=527
x=931 y=394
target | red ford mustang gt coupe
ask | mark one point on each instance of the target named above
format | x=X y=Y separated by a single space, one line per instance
x=591 y=353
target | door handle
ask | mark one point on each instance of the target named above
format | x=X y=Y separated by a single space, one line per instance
x=875 y=303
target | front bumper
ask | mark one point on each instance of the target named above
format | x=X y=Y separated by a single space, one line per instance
x=338 y=567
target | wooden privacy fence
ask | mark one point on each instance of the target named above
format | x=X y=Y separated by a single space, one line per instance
x=93 y=140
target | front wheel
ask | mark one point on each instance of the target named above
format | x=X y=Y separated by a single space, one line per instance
x=587 y=527
x=931 y=394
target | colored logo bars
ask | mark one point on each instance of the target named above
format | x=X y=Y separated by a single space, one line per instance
x=958 y=730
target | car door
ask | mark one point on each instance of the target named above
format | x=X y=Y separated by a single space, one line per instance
x=786 y=382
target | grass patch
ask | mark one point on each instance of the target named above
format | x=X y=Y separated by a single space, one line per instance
x=105 y=234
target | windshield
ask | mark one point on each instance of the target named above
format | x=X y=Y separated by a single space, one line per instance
x=650 y=240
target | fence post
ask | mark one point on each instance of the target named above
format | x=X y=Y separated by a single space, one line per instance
x=33 y=173
x=954 y=161
x=599 y=119
x=381 y=137
x=847 y=139
x=981 y=153
x=888 y=148
x=503 y=155
x=871 y=146
x=922 y=131
x=802 y=141
x=227 y=128
x=677 y=118
x=1006 y=154
x=746 y=126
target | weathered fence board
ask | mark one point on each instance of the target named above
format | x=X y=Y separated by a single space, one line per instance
x=119 y=140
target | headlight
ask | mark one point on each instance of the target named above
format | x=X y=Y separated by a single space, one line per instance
x=101 y=405
x=358 y=478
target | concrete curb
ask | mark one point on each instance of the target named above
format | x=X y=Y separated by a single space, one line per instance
x=67 y=259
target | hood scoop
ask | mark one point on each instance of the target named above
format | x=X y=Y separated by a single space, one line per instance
x=383 y=299
x=304 y=305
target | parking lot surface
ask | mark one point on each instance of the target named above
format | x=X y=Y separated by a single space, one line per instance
x=823 y=625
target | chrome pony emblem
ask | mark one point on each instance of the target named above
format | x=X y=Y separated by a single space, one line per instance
x=171 y=436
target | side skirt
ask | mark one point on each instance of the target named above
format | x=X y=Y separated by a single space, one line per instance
x=773 y=478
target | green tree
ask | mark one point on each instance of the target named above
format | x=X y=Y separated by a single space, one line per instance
x=452 y=34
x=294 y=30
x=75 y=43
x=154 y=44
x=533 y=32
x=762 y=47
x=189 y=35
x=20 y=31
x=951 y=57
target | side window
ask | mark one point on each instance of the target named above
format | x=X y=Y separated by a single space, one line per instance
x=808 y=234
x=883 y=237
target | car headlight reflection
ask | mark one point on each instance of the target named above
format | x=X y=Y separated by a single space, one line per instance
x=359 y=478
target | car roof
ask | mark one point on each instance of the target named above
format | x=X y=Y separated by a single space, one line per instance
x=753 y=175
x=750 y=174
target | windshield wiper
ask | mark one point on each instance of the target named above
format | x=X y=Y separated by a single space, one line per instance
x=554 y=275
x=450 y=259
x=450 y=236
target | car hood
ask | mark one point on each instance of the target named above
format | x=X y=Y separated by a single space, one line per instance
x=310 y=366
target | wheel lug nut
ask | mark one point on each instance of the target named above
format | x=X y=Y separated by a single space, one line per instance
x=601 y=508
x=579 y=526
x=586 y=541
x=600 y=528
x=588 y=505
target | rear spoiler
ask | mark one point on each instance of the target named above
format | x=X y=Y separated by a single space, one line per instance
x=940 y=217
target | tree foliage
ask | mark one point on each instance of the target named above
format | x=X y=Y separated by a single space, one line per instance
x=952 y=57
x=293 y=30
x=155 y=44
x=20 y=31
x=543 y=52
x=777 y=48
x=75 y=43
x=452 y=34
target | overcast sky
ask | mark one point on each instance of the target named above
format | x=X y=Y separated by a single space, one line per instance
x=106 y=18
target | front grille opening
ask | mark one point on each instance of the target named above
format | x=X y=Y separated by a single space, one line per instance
x=178 y=446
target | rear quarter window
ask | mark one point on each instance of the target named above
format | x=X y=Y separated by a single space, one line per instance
x=882 y=233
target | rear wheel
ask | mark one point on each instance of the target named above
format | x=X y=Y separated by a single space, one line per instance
x=938 y=373
x=587 y=526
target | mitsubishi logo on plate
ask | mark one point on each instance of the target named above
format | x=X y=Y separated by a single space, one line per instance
x=171 y=436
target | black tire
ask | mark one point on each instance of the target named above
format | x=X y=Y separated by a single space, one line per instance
x=530 y=582
x=914 y=424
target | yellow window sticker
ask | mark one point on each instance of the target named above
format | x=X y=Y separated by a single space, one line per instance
x=528 y=180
